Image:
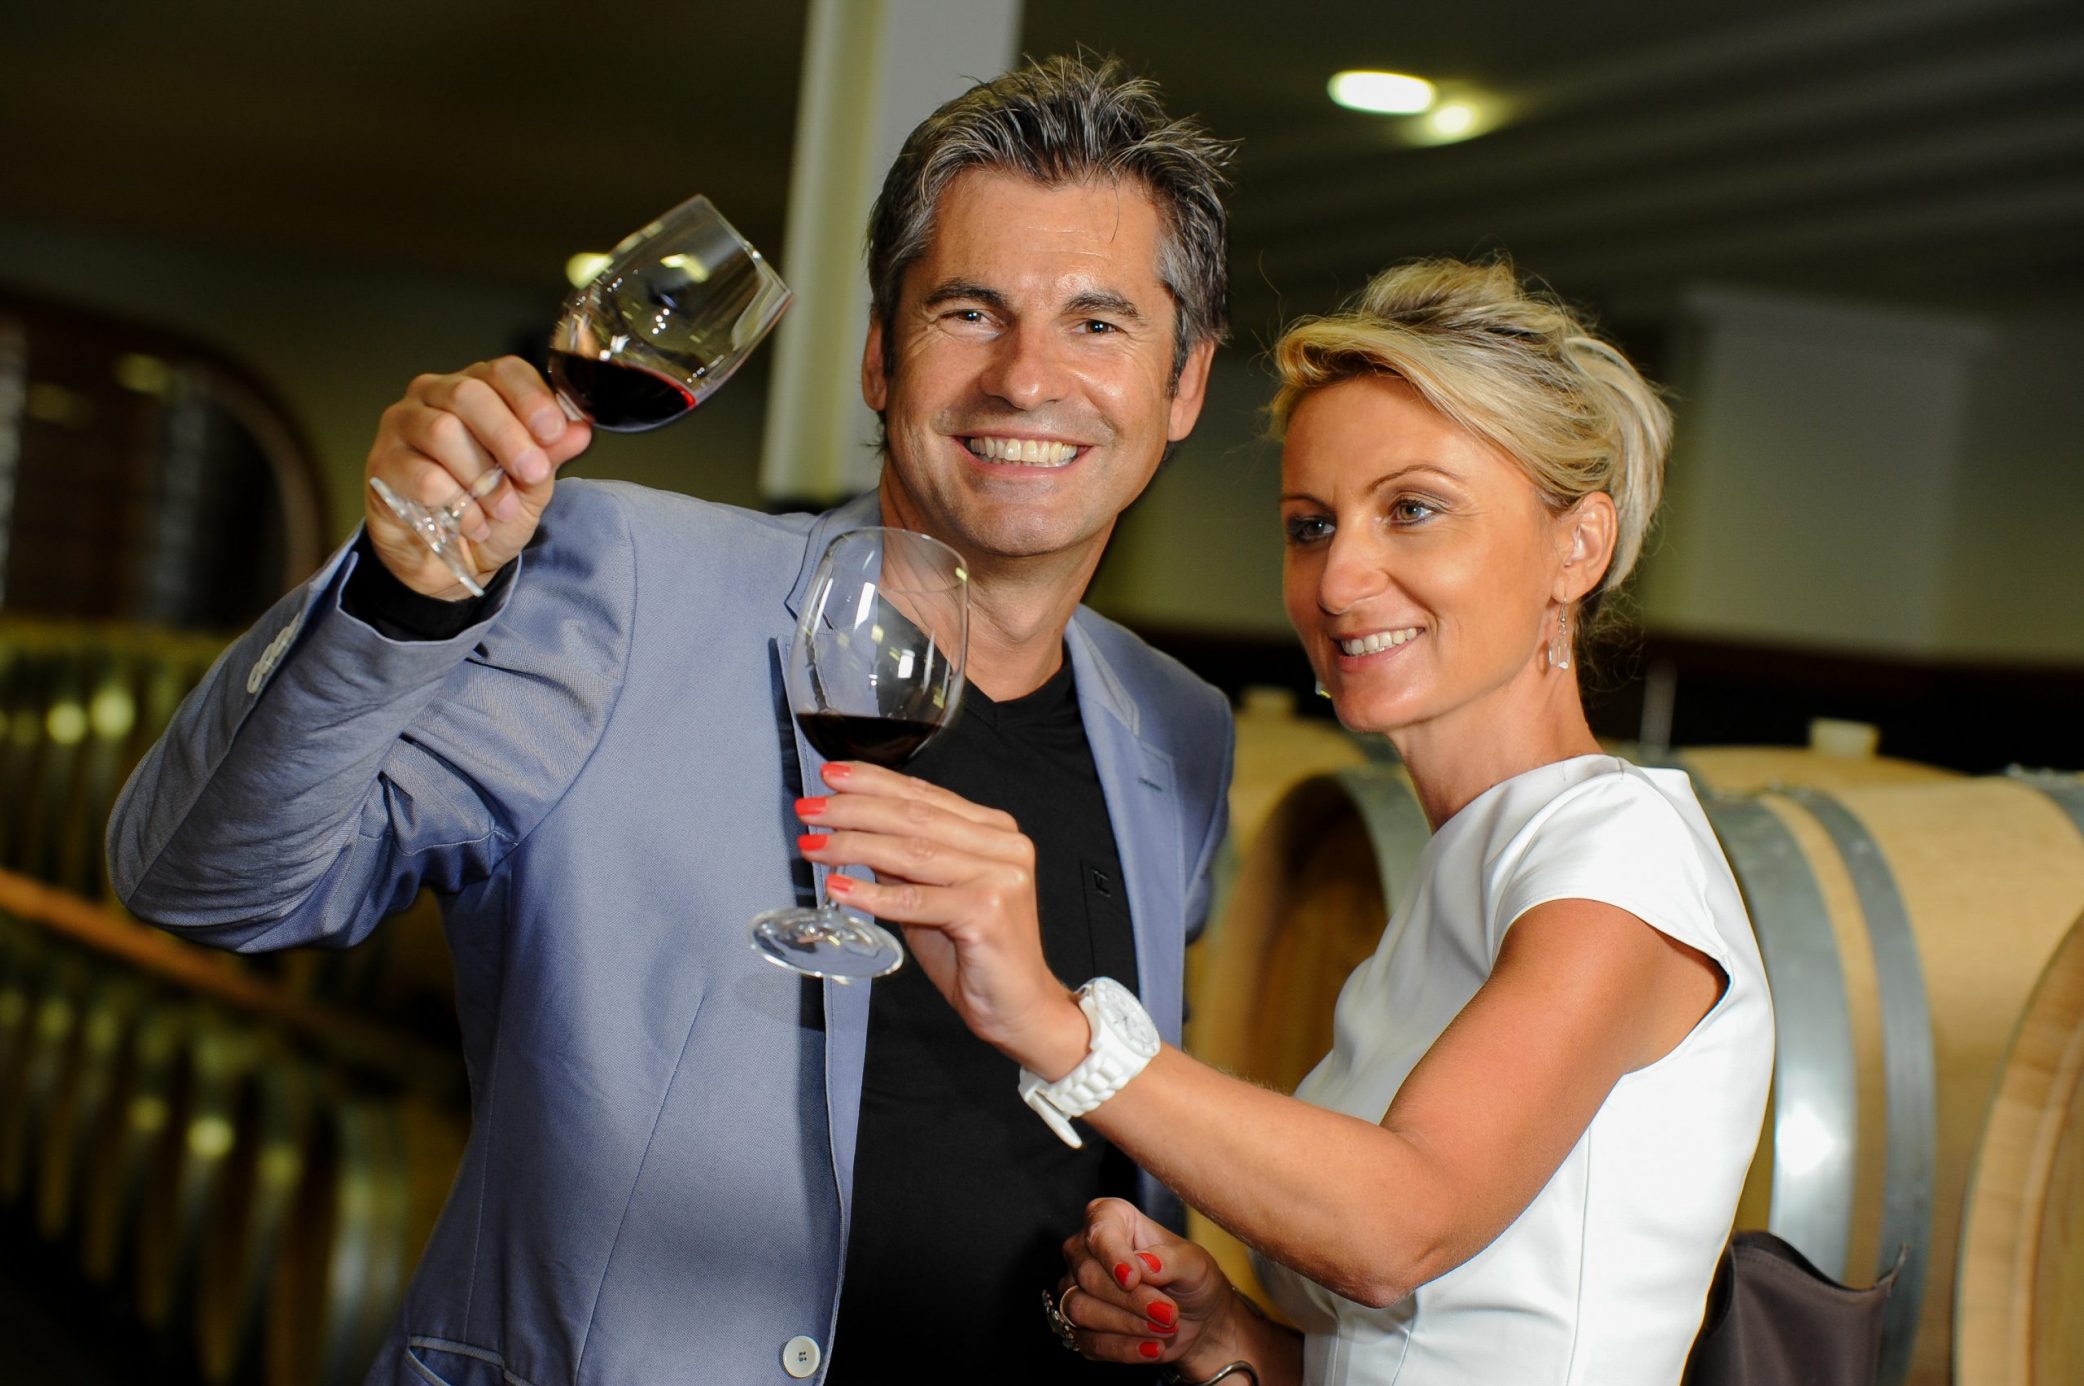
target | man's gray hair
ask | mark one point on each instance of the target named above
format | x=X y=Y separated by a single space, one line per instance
x=1066 y=120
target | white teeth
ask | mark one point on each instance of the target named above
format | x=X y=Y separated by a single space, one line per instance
x=1378 y=642
x=1028 y=452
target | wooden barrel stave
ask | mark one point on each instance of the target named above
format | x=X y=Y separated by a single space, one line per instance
x=375 y=1175
x=2021 y=1269
x=133 y=1123
x=250 y=1219
x=89 y=1086
x=187 y=1167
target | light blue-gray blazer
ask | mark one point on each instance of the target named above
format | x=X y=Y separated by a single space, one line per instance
x=597 y=780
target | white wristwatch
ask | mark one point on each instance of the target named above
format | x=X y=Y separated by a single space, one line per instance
x=1124 y=1040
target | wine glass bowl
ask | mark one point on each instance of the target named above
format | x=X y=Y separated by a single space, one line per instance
x=677 y=309
x=873 y=674
x=679 y=306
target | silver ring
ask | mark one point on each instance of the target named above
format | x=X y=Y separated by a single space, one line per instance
x=1053 y=1310
x=455 y=508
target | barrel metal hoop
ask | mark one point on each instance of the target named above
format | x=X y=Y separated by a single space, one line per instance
x=2066 y=790
x=1815 y=1085
x=1909 y=1077
x=1397 y=827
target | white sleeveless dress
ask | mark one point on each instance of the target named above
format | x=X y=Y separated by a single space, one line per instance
x=1601 y=1281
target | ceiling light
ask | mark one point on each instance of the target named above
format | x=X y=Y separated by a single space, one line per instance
x=1385 y=93
x=1452 y=120
x=583 y=267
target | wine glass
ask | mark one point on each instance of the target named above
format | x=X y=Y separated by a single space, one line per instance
x=679 y=306
x=875 y=670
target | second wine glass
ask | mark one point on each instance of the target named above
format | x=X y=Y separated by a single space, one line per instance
x=874 y=673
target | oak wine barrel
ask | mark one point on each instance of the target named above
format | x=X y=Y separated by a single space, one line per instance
x=248 y=1224
x=2019 y=1305
x=120 y=1148
x=186 y=1168
x=114 y=1000
x=376 y=1172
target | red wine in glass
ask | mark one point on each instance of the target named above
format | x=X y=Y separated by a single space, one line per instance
x=622 y=399
x=885 y=741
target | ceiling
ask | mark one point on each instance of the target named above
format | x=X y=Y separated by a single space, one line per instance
x=1909 y=151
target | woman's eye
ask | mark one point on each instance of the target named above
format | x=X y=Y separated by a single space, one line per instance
x=1308 y=529
x=1411 y=512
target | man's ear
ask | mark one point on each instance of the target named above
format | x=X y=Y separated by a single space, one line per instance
x=875 y=379
x=1190 y=391
x=1586 y=543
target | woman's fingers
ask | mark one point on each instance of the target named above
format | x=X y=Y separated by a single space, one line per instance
x=874 y=782
x=931 y=825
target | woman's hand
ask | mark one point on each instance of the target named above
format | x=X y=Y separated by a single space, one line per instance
x=960 y=878
x=1136 y=1293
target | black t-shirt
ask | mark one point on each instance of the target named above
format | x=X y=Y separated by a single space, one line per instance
x=962 y=1196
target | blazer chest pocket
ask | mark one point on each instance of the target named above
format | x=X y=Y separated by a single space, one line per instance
x=439 y=1362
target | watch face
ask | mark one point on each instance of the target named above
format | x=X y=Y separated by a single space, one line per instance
x=1125 y=1015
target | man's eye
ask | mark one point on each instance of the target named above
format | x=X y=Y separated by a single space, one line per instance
x=1095 y=327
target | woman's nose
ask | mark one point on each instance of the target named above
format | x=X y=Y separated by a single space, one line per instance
x=1352 y=574
x=1026 y=369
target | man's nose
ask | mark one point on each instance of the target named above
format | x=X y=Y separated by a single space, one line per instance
x=1027 y=368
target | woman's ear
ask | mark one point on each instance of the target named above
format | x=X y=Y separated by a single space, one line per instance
x=1585 y=541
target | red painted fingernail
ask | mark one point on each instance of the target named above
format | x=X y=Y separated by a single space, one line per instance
x=1161 y=1312
x=1161 y=1329
x=837 y=771
x=813 y=842
x=1149 y=1260
x=837 y=884
x=1151 y=1350
x=811 y=807
x=1121 y=1273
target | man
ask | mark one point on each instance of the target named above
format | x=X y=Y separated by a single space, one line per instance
x=686 y=1165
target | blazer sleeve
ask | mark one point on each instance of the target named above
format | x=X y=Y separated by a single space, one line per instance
x=321 y=773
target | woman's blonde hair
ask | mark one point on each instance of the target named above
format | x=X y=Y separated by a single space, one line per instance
x=1513 y=365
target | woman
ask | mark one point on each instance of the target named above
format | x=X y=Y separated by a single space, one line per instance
x=1521 y=1159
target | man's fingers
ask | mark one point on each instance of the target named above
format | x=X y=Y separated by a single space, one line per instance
x=529 y=396
x=489 y=416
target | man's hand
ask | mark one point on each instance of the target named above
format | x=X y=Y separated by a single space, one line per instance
x=442 y=437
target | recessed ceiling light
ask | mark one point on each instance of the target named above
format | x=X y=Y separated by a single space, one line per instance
x=1384 y=93
x=1452 y=120
x=582 y=268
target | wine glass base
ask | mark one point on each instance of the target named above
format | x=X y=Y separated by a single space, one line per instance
x=827 y=943
x=435 y=528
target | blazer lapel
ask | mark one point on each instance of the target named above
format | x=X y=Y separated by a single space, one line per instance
x=846 y=1005
x=1141 y=788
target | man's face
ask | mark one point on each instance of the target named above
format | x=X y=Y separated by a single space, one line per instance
x=1026 y=381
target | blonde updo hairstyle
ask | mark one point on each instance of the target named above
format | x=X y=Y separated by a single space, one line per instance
x=1514 y=366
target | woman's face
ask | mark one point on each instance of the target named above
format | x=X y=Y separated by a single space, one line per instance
x=1422 y=568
